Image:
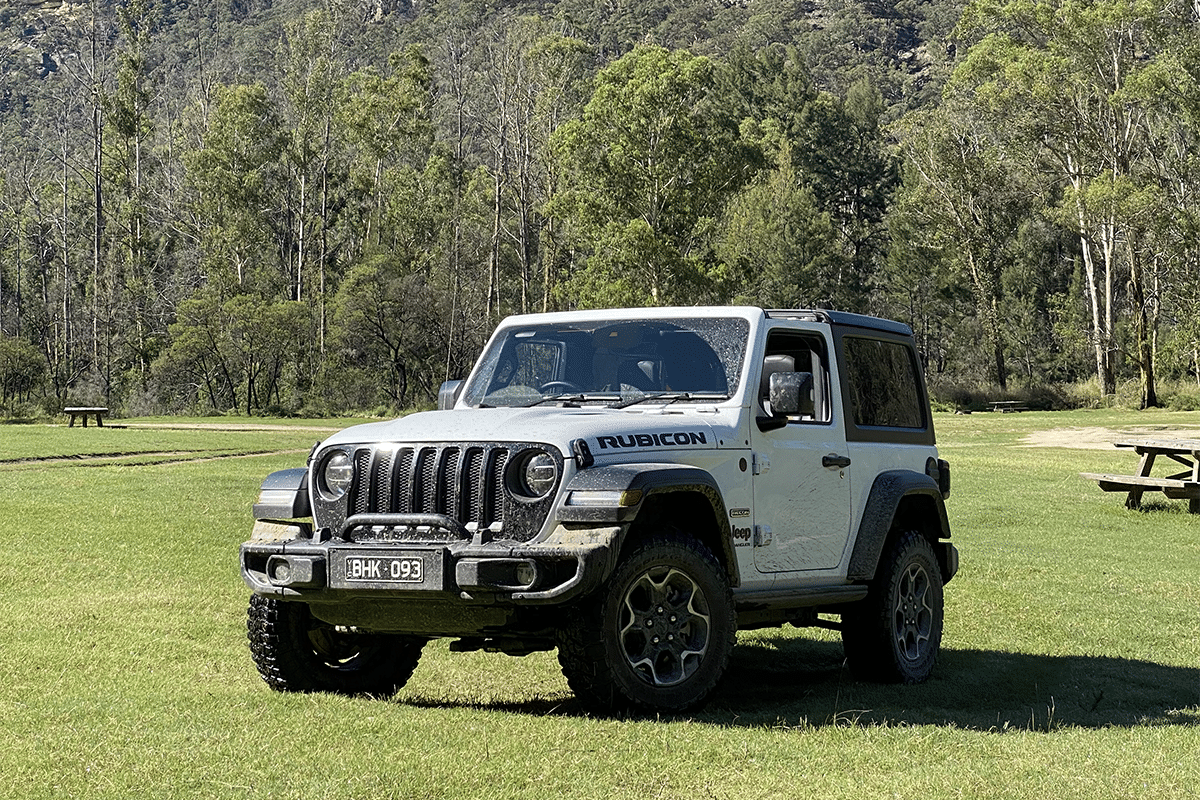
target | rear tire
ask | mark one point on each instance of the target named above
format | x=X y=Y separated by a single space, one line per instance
x=656 y=637
x=895 y=633
x=296 y=652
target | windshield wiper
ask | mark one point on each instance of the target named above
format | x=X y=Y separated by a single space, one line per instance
x=571 y=397
x=669 y=397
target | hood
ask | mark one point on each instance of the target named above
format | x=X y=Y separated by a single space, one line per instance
x=607 y=431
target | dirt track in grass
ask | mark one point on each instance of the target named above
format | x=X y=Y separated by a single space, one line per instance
x=1103 y=438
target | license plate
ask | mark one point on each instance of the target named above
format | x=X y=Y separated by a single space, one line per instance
x=384 y=569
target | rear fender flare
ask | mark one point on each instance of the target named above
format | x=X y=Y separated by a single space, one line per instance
x=922 y=499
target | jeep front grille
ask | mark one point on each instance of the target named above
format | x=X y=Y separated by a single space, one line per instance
x=465 y=483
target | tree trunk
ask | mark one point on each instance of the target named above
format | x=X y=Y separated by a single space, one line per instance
x=1101 y=329
x=300 y=234
x=1143 y=328
x=493 y=297
x=989 y=311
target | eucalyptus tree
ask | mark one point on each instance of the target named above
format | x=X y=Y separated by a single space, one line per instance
x=237 y=178
x=1173 y=83
x=776 y=244
x=836 y=153
x=964 y=200
x=58 y=172
x=1059 y=78
x=650 y=163
x=409 y=205
x=386 y=119
x=776 y=247
x=10 y=259
x=532 y=72
x=561 y=68
x=128 y=287
x=843 y=155
x=22 y=368
x=390 y=325
x=230 y=353
x=311 y=77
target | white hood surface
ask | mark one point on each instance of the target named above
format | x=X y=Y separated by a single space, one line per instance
x=647 y=427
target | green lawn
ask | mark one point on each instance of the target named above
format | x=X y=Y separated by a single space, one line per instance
x=1069 y=666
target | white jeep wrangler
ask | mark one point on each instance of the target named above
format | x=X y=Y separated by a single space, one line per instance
x=631 y=487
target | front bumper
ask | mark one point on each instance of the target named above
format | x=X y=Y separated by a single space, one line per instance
x=287 y=560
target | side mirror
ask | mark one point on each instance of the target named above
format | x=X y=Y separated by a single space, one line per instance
x=448 y=395
x=791 y=394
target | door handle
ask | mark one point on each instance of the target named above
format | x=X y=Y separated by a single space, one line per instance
x=834 y=460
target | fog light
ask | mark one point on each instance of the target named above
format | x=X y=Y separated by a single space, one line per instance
x=296 y=571
x=526 y=574
x=496 y=574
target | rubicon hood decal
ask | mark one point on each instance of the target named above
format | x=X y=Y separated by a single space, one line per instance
x=645 y=440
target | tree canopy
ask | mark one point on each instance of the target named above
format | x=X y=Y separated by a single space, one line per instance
x=292 y=205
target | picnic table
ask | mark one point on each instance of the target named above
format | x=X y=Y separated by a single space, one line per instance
x=1182 y=485
x=85 y=412
x=1007 y=406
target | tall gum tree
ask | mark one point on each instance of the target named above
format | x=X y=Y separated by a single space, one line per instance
x=236 y=175
x=532 y=73
x=966 y=196
x=649 y=160
x=1056 y=77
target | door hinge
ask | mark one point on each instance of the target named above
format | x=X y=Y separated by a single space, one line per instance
x=762 y=535
x=761 y=463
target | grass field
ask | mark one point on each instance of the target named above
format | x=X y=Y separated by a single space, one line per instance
x=1069 y=665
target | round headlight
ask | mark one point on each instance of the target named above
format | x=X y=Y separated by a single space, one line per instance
x=538 y=475
x=337 y=475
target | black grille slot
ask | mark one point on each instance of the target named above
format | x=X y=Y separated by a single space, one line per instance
x=426 y=496
x=472 y=503
x=493 y=488
x=402 y=487
x=448 y=482
x=381 y=481
x=361 y=502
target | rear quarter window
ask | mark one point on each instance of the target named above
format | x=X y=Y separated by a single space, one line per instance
x=883 y=390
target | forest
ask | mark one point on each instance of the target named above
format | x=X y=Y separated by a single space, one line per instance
x=314 y=207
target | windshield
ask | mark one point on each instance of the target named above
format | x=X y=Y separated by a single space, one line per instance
x=611 y=362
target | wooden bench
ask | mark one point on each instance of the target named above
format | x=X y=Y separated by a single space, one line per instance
x=1174 y=488
x=1184 y=485
x=84 y=412
x=1007 y=406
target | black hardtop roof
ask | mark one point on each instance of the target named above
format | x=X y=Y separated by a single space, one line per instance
x=844 y=318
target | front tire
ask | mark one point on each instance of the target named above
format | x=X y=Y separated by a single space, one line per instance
x=895 y=633
x=296 y=652
x=656 y=637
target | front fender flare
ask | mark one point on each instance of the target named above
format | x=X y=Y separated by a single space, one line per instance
x=890 y=490
x=616 y=494
x=284 y=495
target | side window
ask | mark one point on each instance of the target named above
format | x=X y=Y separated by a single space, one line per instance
x=792 y=351
x=883 y=384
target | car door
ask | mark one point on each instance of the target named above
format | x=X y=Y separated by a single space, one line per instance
x=801 y=470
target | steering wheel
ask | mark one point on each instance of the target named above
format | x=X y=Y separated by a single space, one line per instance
x=559 y=387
